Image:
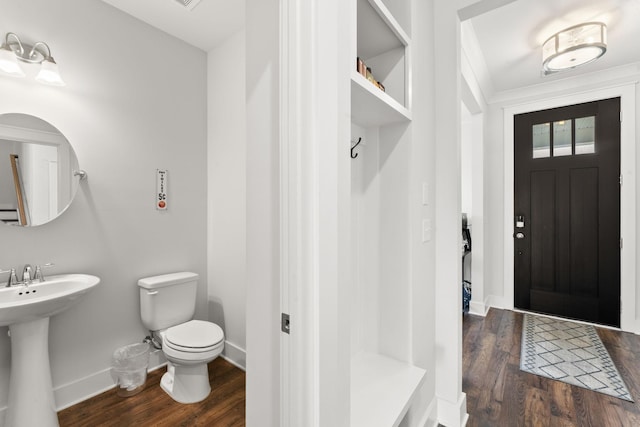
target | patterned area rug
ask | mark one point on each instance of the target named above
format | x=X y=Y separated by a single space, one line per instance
x=569 y=352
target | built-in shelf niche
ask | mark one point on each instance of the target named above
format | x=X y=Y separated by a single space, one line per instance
x=383 y=379
x=385 y=47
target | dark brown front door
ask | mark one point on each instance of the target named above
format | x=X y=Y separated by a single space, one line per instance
x=567 y=208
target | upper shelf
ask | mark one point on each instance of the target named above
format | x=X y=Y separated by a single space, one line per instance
x=384 y=46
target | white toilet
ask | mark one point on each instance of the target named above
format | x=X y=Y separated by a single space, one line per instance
x=167 y=305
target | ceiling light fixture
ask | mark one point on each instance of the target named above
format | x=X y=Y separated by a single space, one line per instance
x=574 y=46
x=13 y=49
x=189 y=4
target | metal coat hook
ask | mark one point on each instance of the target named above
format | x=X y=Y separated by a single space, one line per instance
x=353 y=156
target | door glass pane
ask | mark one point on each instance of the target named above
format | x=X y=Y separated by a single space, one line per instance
x=562 y=138
x=541 y=140
x=586 y=135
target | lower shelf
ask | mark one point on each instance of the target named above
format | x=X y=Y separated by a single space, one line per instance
x=372 y=107
x=381 y=389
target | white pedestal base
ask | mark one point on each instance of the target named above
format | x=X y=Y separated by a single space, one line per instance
x=31 y=401
x=186 y=384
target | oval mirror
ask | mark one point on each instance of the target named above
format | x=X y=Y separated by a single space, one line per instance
x=37 y=171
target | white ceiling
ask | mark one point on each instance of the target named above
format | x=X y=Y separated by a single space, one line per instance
x=205 y=27
x=511 y=37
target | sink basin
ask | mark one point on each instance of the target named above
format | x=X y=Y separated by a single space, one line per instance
x=25 y=303
x=26 y=310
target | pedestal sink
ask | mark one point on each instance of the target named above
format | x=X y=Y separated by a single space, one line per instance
x=26 y=310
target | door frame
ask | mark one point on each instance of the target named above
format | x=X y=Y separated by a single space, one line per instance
x=627 y=94
x=314 y=127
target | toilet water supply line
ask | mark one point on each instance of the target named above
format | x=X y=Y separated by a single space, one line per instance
x=151 y=339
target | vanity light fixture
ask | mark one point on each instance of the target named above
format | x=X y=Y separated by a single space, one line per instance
x=39 y=53
x=574 y=46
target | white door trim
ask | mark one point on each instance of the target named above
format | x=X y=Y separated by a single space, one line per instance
x=314 y=212
x=299 y=351
x=627 y=94
x=471 y=98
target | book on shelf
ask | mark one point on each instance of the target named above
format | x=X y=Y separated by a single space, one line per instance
x=362 y=68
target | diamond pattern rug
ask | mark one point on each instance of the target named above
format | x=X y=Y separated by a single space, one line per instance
x=569 y=352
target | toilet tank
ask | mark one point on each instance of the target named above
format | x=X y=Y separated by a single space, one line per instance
x=167 y=300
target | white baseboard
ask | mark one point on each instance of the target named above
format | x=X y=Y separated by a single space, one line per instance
x=92 y=385
x=156 y=359
x=82 y=389
x=479 y=308
x=235 y=355
x=453 y=414
x=85 y=388
x=497 y=302
x=69 y=394
x=77 y=391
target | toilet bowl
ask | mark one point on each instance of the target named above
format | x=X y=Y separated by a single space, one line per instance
x=188 y=348
x=167 y=307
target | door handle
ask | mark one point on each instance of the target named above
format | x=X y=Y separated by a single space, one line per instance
x=519 y=236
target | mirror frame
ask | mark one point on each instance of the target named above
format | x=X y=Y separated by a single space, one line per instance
x=59 y=139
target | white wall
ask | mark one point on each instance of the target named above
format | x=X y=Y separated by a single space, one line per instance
x=473 y=199
x=395 y=242
x=227 y=193
x=423 y=171
x=381 y=257
x=494 y=203
x=365 y=241
x=467 y=140
x=127 y=111
x=448 y=339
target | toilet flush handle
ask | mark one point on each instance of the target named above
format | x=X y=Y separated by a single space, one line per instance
x=152 y=292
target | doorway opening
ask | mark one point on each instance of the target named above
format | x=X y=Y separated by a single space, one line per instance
x=567 y=211
x=626 y=93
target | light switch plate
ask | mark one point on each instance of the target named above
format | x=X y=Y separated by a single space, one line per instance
x=426 y=230
x=425 y=194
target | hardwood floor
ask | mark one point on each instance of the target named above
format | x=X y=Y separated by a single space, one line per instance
x=225 y=406
x=499 y=394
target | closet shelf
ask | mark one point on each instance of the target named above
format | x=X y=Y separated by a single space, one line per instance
x=378 y=30
x=370 y=106
x=382 y=389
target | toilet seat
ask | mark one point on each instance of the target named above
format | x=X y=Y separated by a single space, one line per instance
x=195 y=336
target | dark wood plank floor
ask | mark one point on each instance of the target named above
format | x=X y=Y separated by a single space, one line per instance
x=499 y=394
x=225 y=406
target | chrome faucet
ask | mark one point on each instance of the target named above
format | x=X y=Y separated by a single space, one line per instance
x=26 y=275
